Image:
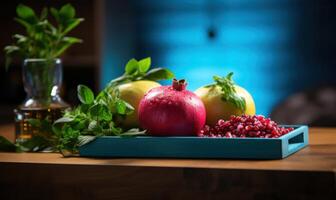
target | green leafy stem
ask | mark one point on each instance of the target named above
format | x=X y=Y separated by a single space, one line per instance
x=140 y=70
x=229 y=92
x=96 y=115
x=43 y=39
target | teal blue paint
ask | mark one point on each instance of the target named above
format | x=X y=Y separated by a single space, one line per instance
x=196 y=147
x=257 y=40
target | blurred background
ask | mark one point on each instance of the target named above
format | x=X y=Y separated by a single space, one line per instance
x=282 y=52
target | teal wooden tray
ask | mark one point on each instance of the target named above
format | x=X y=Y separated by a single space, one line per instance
x=196 y=147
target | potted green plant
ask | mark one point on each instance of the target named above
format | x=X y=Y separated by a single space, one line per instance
x=40 y=49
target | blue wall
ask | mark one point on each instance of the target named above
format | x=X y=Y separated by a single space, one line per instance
x=263 y=42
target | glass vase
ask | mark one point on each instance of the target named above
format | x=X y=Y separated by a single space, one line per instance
x=42 y=80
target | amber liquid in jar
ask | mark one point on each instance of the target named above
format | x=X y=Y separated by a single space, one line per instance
x=24 y=130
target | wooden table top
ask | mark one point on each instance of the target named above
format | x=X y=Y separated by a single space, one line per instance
x=320 y=155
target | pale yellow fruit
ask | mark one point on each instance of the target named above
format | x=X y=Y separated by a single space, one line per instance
x=132 y=93
x=217 y=109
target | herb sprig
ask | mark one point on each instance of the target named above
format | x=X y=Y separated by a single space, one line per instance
x=139 y=70
x=43 y=39
x=228 y=90
x=96 y=115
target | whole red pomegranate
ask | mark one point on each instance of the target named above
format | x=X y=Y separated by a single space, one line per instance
x=171 y=111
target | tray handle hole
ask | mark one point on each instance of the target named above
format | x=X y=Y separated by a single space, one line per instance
x=296 y=139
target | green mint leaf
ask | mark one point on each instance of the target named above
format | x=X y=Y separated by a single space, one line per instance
x=85 y=139
x=121 y=107
x=113 y=130
x=117 y=81
x=84 y=108
x=85 y=94
x=36 y=143
x=6 y=145
x=158 y=74
x=131 y=66
x=95 y=110
x=80 y=124
x=57 y=129
x=100 y=112
x=129 y=108
x=229 y=92
x=133 y=132
x=26 y=14
x=63 y=120
x=68 y=139
x=144 y=64
x=93 y=125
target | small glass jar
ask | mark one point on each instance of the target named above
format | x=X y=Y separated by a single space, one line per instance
x=42 y=80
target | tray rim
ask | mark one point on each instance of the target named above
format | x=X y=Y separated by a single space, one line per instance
x=296 y=127
x=279 y=147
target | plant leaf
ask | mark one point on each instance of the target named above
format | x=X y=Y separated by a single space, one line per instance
x=129 y=108
x=61 y=50
x=6 y=145
x=36 y=143
x=72 y=40
x=131 y=66
x=44 y=13
x=92 y=125
x=85 y=94
x=63 y=120
x=100 y=112
x=121 y=107
x=26 y=13
x=67 y=12
x=71 y=24
x=229 y=92
x=158 y=74
x=36 y=123
x=133 y=132
x=65 y=44
x=144 y=64
x=11 y=49
x=85 y=139
x=20 y=38
x=54 y=13
x=23 y=23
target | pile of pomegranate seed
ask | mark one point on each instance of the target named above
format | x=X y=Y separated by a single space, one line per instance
x=245 y=126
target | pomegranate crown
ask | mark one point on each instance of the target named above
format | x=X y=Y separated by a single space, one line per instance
x=179 y=85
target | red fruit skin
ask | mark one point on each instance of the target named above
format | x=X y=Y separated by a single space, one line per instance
x=165 y=111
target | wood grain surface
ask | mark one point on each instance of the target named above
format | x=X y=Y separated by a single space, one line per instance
x=320 y=155
x=308 y=174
